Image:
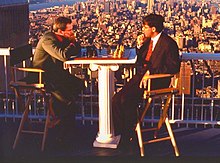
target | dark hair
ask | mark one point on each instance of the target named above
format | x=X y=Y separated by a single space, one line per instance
x=154 y=20
x=60 y=23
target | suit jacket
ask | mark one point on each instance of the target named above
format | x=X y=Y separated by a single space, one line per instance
x=51 y=51
x=164 y=59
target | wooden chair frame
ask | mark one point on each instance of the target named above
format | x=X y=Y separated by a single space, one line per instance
x=150 y=95
x=30 y=89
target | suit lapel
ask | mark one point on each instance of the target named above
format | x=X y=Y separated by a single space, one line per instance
x=157 y=47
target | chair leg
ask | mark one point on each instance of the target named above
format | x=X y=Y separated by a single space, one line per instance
x=164 y=113
x=138 y=127
x=51 y=108
x=23 y=119
x=45 y=130
x=163 y=116
x=21 y=126
x=145 y=109
x=140 y=141
x=169 y=129
x=50 y=112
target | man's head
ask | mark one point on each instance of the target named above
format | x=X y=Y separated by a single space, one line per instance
x=63 y=26
x=152 y=25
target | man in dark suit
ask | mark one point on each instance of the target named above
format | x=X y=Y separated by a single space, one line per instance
x=157 y=54
x=54 y=48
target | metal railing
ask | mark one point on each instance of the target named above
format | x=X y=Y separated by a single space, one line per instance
x=197 y=104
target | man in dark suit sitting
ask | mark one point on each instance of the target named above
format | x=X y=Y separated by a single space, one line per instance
x=157 y=54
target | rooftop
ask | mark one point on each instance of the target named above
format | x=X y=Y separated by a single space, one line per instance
x=193 y=143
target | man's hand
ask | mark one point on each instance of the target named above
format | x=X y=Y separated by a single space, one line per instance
x=71 y=36
x=140 y=40
x=144 y=80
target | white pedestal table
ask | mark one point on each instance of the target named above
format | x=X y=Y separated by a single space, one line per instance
x=106 y=67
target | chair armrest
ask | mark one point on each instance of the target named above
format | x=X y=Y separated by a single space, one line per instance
x=34 y=70
x=155 y=76
x=29 y=69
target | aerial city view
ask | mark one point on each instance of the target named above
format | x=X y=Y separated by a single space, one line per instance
x=194 y=24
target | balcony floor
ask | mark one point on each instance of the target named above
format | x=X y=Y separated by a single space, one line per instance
x=193 y=143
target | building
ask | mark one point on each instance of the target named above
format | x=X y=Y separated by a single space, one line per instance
x=14 y=29
x=107 y=6
x=14 y=20
x=150 y=5
x=143 y=1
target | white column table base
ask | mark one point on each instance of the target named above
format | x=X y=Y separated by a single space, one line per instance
x=105 y=137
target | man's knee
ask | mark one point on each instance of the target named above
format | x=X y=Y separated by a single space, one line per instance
x=60 y=97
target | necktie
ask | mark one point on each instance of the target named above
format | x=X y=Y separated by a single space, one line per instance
x=149 y=52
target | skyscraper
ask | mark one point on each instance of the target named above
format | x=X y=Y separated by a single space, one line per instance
x=14 y=20
x=150 y=5
x=170 y=2
x=143 y=1
x=107 y=6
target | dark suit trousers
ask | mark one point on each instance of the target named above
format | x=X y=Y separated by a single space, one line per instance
x=125 y=103
x=64 y=92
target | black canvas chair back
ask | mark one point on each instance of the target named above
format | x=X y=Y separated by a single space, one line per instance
x=19 y=54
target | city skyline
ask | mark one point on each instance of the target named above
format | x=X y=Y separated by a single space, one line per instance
x=188 y=24
x=193 y=24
